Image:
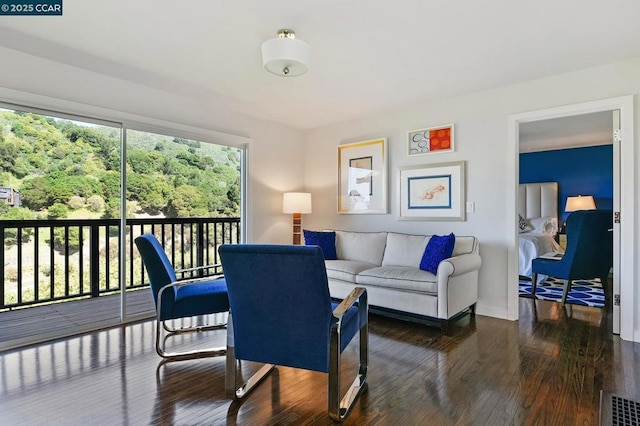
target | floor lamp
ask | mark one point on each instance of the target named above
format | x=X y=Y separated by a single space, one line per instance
x=297 y=204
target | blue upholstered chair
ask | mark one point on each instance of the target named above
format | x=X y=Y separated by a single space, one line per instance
x=589 y=252
x=180 y=299
x=282 y=314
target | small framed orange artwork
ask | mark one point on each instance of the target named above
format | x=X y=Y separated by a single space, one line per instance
x=431 y=140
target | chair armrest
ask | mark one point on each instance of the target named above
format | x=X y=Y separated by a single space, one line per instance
x=459 y=265
x=198 y=268
x=180 y=284
x=356 y=295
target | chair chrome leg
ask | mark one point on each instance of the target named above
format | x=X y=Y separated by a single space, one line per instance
x=232 y=389
x=178 y=356
x=199 y=327
x=340 y=408
x=534 y=283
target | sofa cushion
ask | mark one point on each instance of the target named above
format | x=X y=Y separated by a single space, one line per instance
x=346 y=270
x=365 y=247
x=438 y=249
x=326 y=241
x=404 y=250
x=401 y=278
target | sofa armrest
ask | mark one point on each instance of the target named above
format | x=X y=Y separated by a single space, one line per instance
x=457 y=283
x=458 y=265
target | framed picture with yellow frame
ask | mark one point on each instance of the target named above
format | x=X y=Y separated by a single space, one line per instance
x=362 y=177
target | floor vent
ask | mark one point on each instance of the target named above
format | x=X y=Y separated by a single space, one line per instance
x=617 y=410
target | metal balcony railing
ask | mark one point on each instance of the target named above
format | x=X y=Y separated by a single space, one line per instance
x=45 y=261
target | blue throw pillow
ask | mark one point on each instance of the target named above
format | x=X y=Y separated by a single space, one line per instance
x=326 y=241
x=438 y=248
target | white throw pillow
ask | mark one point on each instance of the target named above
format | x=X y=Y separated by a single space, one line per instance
x=544 y=225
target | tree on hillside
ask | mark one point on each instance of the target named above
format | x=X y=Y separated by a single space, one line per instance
x=57 y=187
x=146 y=162
x=52 y=161
x=110 y=184
x=102 y=144
x=95 y=203
x=11 y=234
x=11 y=159
x=149 y=191
x=187 y=201
x=18 y=129
x=58 y=211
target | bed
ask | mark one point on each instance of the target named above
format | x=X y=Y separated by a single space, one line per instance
x=537 y=223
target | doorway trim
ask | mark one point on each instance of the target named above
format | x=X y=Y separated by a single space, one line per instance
x=627 y=203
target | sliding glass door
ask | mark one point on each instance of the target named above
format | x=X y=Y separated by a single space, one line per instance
x=186 y=193
x=74 y=194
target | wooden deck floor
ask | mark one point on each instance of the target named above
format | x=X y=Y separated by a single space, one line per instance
x=68 y=318
x=546 y=369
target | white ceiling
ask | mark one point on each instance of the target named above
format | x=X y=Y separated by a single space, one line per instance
x=567 y=132
x=367 y=55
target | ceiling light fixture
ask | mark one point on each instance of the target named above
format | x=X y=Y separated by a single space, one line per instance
x=286 y=55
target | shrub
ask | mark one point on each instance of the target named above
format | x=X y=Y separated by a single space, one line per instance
x=76 y=202
x=95 y=203
x=58 y=211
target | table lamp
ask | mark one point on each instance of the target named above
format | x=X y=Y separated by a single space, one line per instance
x=579 y=203
x=576 y=203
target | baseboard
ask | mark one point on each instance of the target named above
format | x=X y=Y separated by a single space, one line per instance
x=492 y=311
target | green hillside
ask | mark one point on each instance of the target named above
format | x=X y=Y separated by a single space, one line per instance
x=60 y=166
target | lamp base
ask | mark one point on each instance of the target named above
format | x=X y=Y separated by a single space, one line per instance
x=297 y=228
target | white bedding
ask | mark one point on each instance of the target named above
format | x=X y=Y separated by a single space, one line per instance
x=532 y=245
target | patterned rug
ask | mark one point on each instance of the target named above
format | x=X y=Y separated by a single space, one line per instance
x=583 y=292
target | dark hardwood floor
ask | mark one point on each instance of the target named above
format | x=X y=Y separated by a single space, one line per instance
x=546 y=369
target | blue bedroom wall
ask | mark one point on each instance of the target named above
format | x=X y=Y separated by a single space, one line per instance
x=578 y=171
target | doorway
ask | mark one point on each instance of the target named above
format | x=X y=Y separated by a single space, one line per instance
x=623 y=231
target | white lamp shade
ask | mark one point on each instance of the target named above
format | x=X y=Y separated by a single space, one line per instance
x=296 y=202
x=286 y=57
x=580 y=203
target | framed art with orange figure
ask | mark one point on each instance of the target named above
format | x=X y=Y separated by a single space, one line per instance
x=431 y=140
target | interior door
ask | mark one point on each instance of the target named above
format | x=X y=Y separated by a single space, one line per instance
x=616 y=223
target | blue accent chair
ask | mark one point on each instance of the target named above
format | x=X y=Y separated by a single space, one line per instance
x=282 y=314
x=181 y=299
x=589 y=252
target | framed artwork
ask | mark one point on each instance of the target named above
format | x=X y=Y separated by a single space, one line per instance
x=362 y=177
x=432 y=192
x=432 y=140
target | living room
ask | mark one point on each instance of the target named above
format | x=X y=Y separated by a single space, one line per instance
x=42 y=71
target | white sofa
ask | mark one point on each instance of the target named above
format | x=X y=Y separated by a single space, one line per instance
x=387 y=265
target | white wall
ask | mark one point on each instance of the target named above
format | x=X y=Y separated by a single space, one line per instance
x=481 y=140
x=37 y=82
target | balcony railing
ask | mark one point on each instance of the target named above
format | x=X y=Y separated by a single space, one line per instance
x=46 y=261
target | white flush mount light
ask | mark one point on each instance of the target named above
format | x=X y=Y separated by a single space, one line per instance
x=286 y=55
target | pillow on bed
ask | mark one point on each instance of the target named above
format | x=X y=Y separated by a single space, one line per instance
x=544 y=225
x=523 y=225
